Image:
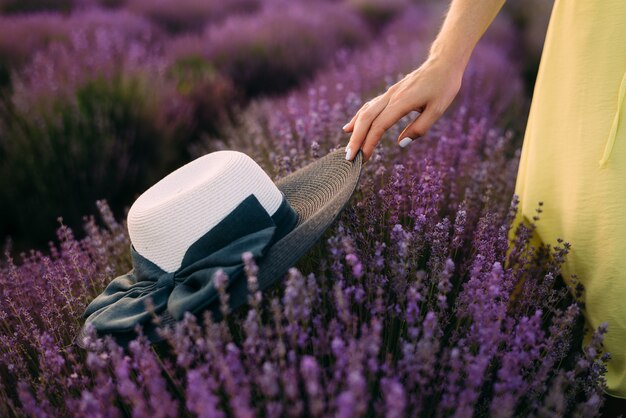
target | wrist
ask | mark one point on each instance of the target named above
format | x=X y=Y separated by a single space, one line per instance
x=456 y=58
x=452 y=67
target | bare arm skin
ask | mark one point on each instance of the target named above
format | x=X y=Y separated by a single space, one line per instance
x=431 y=87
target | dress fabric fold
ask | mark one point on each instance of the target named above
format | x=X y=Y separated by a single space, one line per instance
x=573 y=160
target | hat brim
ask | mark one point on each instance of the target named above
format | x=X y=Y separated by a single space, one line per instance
x=318 y=193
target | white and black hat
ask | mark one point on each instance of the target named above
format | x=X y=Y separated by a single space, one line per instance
x=200 y=219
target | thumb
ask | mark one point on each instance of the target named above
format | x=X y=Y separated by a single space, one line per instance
x=420 y=125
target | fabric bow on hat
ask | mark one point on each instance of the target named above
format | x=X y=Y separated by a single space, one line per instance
x=191 y=287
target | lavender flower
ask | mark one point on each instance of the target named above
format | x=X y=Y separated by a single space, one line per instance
x=277 y=48
x=414 y=303
x=190 y=15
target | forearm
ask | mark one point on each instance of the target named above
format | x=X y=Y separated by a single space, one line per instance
x=465 y=23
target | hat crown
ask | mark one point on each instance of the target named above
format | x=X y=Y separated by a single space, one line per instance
x=183 y=206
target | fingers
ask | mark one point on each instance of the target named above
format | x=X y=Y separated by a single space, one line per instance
x=386 y=119
x=420 y=125
x=371 y=121
x=362 y=123
x=348 y=126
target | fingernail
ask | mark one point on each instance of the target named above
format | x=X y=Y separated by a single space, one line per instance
x=348 y=153
x=405 y=141
x=345 y=126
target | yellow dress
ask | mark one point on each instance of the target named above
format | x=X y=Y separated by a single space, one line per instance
x=574 y=160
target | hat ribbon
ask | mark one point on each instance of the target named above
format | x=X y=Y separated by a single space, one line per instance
x=192 y=286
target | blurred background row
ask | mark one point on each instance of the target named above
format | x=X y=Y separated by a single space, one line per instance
x=101 y=98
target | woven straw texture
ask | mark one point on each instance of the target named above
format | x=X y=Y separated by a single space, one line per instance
x=171 y=215
x=318 y=193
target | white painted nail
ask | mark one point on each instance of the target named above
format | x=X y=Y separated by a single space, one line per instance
x=405 y=141
x=348 y=153
x=345 y=126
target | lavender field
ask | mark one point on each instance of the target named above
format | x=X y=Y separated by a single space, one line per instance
x=420 y=301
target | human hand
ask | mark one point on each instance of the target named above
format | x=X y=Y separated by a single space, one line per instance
x=429 y=89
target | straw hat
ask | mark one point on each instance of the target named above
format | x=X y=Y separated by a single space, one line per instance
x=193 y=226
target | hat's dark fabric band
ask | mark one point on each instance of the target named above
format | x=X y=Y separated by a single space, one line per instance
x=191 y=287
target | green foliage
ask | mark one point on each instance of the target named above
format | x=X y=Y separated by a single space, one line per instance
x=190 y=71
x=210 y=95
x=109 y=139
